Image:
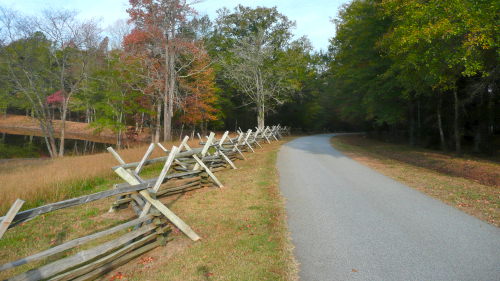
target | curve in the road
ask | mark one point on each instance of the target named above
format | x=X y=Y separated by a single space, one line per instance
x=349 y=222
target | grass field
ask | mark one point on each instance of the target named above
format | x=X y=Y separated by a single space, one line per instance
x=243 y=229
x=42 y=181
x=468 y=183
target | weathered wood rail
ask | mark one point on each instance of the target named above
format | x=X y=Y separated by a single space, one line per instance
x=184 y=169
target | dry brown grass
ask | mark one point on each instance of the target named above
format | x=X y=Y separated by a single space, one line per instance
x=483 y=171
x=243 y=229
x=42 y=181
x=469 y=184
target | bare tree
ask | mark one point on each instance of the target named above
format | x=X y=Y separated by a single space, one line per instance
x=44 y=55
x=117 y=31
x=252 y=71
x=252 y=48
x=74 y=45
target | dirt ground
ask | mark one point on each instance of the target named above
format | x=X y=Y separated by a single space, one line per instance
x=25 y=125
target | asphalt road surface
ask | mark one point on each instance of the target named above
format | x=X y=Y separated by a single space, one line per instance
x=349 y=222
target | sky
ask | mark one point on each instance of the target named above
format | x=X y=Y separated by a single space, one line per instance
x=312 y=17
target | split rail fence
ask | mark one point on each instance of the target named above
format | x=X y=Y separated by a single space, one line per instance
x=185 y=168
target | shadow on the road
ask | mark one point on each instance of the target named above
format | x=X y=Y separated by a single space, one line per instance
x=318 y=144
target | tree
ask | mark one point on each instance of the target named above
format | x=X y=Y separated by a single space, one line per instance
x=199 y=92
x=156 y=23
x=250 y=41
x=75 y=45
x=446 y=42
x=304 y=69
x=117 y=32
x=47 y=55
x=357 y=66
x=25 y=56
x=421 y=68
x=114 y=96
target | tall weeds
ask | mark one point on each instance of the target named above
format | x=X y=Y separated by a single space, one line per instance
x=43 y=181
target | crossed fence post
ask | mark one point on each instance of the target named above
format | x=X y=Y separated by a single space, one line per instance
x=199 y=164
x=236 y=143
x=253 y=138
x=132 y=178
x=248 y=134
x=219 y=148
x=145 y=201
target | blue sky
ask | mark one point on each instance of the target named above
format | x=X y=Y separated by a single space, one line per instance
x=312 y=16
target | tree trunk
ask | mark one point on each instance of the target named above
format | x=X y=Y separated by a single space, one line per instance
x=182 y=131
x=75 y=148
x=119 y=139
x=85 y=146
x=87 y=115
x=412 y=123
x=419 y=123
x=167 y=136
x=204 y=128
x=52 y=143
x=167 y=123
x=440 y=125
x=260 y=117
x=169 y=91
x=156 y=137
x=139 y=124
x=458 y=146
x=63 y=126
x=49 y=147
x=171 y=95
x=119 y=134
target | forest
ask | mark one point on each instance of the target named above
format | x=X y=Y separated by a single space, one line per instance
x=421 y=72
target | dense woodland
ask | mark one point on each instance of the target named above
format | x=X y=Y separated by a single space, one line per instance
x=423 y=72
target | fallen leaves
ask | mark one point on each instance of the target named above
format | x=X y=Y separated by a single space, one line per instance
x=146 y=260
x=117 y=276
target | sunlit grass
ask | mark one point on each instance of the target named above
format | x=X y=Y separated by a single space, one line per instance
x=42 y=181
x=243 y=230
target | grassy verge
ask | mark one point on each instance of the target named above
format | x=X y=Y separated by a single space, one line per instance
x=467 y=183
x=242 y=226
x=243 y=229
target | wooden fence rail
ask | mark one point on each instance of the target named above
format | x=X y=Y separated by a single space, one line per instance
x=184 y=169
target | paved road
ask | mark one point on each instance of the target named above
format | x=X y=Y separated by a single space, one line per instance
x=349 y=222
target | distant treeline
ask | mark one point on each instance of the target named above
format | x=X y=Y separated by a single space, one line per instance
x=427 y=71
x=163 y=69
x=424 y=71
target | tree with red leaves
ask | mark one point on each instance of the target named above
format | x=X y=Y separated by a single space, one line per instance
x=199 y=91
x=156 y=37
